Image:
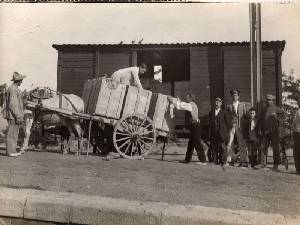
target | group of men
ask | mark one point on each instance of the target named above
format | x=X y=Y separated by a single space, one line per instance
x=237 y=132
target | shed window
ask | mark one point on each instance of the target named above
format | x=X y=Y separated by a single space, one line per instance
x=158 y=73
x=174 y=64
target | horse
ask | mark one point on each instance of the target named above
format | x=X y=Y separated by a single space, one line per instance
x=47 y=101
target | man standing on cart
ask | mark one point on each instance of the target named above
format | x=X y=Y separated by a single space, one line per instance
x=130 y=75
x=193 y=123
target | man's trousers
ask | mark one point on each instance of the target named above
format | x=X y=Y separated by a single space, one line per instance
x=195 y=142
x=12 y=136
x=218 y=147
x=296 y=150
x=236 y=133
x=272 y=139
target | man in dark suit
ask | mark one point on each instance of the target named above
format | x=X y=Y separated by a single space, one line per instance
x=219 y=130
x=270 y=130
x=238 y=111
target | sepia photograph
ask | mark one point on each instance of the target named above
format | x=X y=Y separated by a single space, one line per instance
x=149 y=112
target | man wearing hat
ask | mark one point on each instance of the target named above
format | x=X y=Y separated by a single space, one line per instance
x=238 y=111
x=14 y=114
x=271 y=115
x=219 y=125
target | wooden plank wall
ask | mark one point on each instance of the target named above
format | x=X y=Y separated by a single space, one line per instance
x=200 y=78
x=76 y=68
x=268 y=73
x=112 y=61
x=237 y=72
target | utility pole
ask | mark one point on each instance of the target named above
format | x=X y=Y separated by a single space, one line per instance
x=255 y=53
x=252 y=50
x=258 y=53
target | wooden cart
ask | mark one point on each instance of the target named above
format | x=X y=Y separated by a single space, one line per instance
x=136 y=117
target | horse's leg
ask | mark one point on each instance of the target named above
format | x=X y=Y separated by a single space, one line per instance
x=79 y=134
x=28 y=125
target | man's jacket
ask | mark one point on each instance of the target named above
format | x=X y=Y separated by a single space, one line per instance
x=241 y=115
x=271 y=119
x=219 y=125
x=13 y=108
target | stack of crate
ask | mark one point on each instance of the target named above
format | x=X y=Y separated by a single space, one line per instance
x=160 y=113
x=104 y=97
x=136 y=101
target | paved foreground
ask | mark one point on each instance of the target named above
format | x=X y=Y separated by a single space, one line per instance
x=156 y=181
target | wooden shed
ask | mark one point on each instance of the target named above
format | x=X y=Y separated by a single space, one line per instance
x=207 y=70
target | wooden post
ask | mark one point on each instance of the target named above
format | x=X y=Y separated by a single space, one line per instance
x=89 y=137
x=97 y=64
x=252 y=48
x=134 y=58
x=59 y=72
x=163 y=149
x=258 y=54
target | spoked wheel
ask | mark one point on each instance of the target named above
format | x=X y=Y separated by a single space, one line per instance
x=134 y=136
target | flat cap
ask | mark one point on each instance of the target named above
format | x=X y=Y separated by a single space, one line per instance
x=235 y=91
x=270 y=97
x=218 y=99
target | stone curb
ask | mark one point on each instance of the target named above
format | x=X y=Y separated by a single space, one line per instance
x=85 y=209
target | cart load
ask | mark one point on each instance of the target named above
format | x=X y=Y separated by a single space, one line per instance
x=137 y=116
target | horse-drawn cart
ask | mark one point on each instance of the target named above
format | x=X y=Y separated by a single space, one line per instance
x=135 y=117
x=121 y=117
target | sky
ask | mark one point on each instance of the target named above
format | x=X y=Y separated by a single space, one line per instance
x=29 y=30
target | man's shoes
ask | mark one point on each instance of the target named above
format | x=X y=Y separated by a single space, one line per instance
x=183 y=161
x=275 y=167
x=201 y=163
x=15 y=154
x=243 y=165
x=22 y=151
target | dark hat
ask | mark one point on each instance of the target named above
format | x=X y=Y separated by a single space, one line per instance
x=17 y=77
x=270 y=97
x=218 y=99
x=235 y=91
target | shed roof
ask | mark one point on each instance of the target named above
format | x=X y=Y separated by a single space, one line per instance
x=278 y=44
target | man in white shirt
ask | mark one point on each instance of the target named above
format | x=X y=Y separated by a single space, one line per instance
x=193 y=123
x=238 y=111
x=130 y=75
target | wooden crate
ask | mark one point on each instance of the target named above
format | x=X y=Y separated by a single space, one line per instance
x=105 y=99
x=159 y=112
x=137 y=101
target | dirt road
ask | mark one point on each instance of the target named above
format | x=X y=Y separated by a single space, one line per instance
x=155 y=180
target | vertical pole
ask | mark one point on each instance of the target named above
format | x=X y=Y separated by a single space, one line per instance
x=97 y=63
x=59 y=71
x=252 y=47
x=134 y=58
x=258 y=54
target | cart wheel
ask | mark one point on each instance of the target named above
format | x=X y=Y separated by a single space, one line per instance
x=134 y=136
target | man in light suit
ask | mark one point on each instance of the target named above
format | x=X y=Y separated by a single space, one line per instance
x=238 y=111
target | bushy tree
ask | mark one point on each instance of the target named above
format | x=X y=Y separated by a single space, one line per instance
x=290 y=95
